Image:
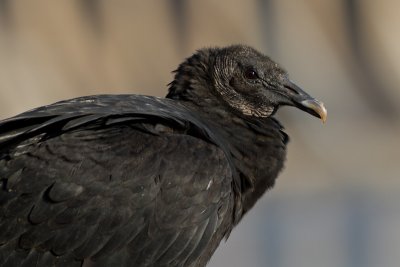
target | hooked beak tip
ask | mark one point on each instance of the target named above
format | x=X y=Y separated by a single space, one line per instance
x=317 y=108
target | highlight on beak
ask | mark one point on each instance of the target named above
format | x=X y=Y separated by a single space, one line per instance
x=316 y=108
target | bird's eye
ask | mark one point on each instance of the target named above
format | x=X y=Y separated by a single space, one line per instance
x=251 y=74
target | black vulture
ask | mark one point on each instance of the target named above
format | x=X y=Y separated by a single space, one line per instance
x=130 y=180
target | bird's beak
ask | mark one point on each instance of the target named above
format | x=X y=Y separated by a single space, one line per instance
x=305 y=102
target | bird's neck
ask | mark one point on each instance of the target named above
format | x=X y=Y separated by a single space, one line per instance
x=248 y=139
x=260 y=139
x=266 y=142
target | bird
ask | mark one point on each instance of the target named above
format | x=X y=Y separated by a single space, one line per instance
x=135 y=180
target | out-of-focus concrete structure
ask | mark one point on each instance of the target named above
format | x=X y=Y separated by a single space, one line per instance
x=336 y=203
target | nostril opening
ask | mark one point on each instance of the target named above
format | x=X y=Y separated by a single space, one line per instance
x=292 y=90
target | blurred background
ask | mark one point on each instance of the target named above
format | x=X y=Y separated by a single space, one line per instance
x=337 y=203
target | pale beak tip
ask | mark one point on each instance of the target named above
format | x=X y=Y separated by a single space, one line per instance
x=317 y=108
x=323 y=113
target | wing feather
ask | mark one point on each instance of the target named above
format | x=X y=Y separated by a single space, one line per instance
x=138 y=189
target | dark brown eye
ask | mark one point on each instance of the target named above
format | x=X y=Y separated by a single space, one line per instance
x=251 y=74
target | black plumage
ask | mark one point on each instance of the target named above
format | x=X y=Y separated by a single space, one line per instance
x=129 y=180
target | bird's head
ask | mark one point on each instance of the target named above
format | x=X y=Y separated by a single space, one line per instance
x=248 y=82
